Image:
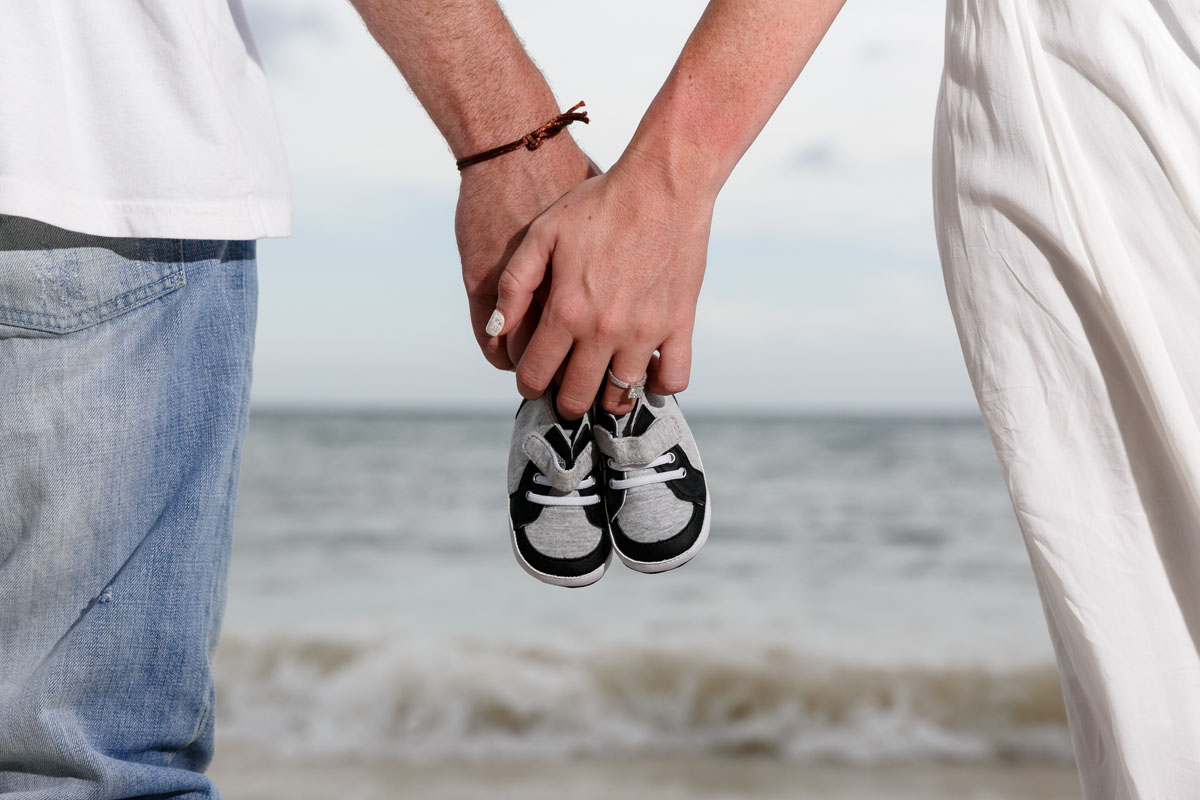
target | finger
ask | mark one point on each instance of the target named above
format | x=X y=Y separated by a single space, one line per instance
x=629 y=365
x=541 y=359
x=517 y=339
x=581 y=381
x=673 y=369
x=495 y=348
x=520 y=279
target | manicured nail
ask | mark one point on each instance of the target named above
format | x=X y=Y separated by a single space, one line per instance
x=495 y=324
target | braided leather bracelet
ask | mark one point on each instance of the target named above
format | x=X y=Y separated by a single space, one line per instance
x=532 y=140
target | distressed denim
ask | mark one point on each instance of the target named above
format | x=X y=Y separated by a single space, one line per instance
x=124 y=383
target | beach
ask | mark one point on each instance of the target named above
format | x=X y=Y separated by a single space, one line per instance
x=246 y=776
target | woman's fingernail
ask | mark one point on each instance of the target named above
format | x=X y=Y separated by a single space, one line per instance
x=495 y=324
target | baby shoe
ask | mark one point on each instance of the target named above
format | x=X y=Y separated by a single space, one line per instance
x=655 y=496
x=555 y=511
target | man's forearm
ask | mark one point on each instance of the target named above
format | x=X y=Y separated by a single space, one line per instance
x=736 y=67
x=466 y=66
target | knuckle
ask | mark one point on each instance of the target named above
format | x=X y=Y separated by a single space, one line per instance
x=508 y=283
x=675 y=385
x=617 y=405
x=571 y=405
x=527 y=393
x=539 y=226
x=529 y=379
x=566 y=313
x=645 y=331
x=609 y=325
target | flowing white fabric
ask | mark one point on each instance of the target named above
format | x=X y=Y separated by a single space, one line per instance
x=1067 y=203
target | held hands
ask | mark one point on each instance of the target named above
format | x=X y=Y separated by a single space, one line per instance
x=496 y=201
x=627 y=253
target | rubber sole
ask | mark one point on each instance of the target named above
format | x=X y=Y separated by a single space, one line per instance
x=557 y=580
x=654 y=567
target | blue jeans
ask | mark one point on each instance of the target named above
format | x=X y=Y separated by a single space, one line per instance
x=124 y=384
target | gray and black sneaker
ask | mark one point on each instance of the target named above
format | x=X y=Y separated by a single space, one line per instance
x=555 y=511
x=655 y=495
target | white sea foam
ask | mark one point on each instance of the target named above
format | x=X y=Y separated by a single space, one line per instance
x=454 y=698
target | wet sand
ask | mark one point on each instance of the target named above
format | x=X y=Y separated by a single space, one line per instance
x=243 y=775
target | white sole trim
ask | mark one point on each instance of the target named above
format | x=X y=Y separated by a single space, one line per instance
x=557 y=580
x=653 y=567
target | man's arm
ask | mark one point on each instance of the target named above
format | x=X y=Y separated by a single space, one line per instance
x=470 y=72
x=629 y=247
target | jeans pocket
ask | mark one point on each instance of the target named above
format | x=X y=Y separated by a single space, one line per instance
x=55 y=281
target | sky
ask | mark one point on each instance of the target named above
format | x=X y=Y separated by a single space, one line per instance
x=823 y=290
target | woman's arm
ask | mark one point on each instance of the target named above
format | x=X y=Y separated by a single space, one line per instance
x=733 y=72
x=629 y=247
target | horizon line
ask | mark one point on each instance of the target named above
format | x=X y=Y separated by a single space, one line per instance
x=723 y=411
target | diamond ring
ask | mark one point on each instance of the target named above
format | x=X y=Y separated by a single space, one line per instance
x=633 y=390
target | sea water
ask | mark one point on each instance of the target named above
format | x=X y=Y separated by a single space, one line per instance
x=864 y=597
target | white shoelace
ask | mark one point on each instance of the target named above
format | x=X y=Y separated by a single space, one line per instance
x=642 y=480
x=551 y=500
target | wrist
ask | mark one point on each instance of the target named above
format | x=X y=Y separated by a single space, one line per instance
x=479 y=127
x=673 y=164
x=559 y=162
x=671 y=174
x=670 y=148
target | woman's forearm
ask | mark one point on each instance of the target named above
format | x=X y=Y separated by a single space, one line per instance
x=736 y=67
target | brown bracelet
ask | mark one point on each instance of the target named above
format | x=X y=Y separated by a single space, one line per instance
x=532 y=140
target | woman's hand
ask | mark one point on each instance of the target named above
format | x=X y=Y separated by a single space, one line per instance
x=627 y=252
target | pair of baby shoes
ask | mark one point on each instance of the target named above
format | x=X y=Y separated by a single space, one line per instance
x=578 y=490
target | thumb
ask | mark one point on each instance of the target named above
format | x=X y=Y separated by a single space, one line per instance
x=520 y=279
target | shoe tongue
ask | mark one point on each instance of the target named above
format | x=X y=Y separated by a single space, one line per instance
x=636 y=422
x=570 y=427
x=567 y=438
x=640 y=436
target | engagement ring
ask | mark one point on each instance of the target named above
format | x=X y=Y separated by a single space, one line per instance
x=633 y=390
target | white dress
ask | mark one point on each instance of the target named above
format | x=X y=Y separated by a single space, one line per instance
x=1067 y=202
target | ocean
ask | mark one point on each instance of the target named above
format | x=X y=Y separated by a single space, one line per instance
x=864 y=602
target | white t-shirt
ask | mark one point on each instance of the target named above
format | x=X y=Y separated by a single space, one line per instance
x=147 y=118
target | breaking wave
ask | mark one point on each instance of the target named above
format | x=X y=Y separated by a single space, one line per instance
x=421 y=698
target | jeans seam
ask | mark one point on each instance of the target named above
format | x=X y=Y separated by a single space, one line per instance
x=210 y=700
x=98 y=313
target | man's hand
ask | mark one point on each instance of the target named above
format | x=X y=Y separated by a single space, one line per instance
x=496 y=202
x=628 y=255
